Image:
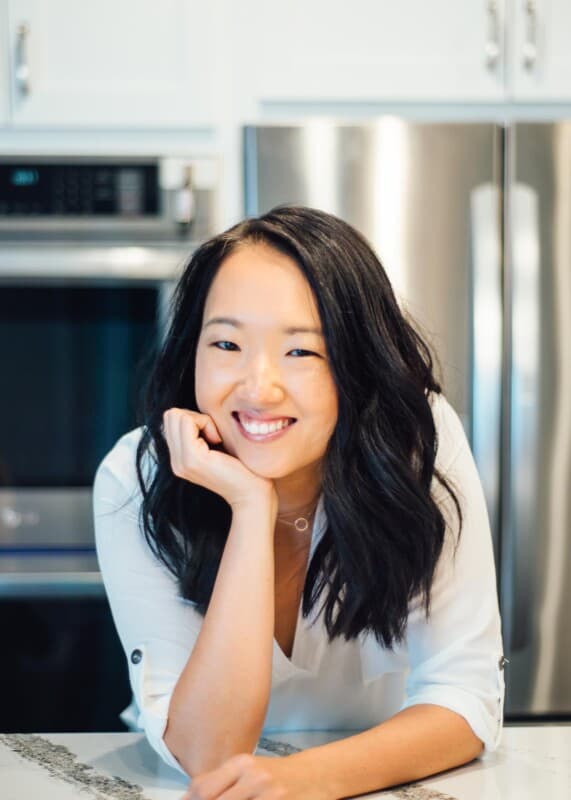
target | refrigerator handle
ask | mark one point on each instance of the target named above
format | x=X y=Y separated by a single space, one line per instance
x=524 y=405
x=486 y=335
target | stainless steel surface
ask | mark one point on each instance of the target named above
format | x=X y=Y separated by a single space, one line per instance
x=38 y=585
x=529 y=54
x=537 y=527
x=486 y=248
x=39 y=518
x=26 y=263
x=408 y=188
x=523 y=453
x=22 y=65
x=47 y=546
x=492 y=49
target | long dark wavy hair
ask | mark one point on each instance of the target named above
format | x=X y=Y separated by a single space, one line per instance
x=385 y=530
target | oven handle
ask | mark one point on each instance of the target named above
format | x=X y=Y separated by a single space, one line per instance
x=50 y=584
x=29 y=264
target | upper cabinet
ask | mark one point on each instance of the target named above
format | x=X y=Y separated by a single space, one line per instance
x=128 y=63
x=540 y=62
x=442 y=50
x=203 y=63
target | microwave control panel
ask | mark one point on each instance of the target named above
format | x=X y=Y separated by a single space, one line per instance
x=79 y=189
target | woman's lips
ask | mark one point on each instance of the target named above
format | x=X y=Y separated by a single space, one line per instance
x=261 y=437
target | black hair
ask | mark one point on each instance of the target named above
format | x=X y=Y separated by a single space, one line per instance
x=385 y=530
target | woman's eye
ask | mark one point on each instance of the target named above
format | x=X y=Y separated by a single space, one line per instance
x=220 y=344
x=305 y=352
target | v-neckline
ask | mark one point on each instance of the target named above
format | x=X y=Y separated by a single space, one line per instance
x=287 y=666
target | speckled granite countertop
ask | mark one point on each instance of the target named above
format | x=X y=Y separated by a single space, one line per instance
x=532 y=762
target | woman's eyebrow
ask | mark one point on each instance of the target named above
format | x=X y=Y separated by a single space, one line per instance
x=237 y=324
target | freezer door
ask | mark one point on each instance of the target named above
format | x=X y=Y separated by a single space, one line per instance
x=428 y=198
x=536 y=557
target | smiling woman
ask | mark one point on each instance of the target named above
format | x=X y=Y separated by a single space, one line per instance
x=296 y=447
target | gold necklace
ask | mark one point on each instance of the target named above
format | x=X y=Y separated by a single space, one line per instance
x=301 y=523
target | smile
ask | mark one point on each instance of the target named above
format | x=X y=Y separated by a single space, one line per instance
x=262 y=431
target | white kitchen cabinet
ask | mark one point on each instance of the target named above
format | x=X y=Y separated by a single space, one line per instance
x=128 y=63
x=4 y=79
x=540 y=62
x=377 y=50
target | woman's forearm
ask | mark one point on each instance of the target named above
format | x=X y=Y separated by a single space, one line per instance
x=419 y=741
x=220 y=700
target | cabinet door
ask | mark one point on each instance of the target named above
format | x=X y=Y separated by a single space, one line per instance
x=371 y=49
x=541 y=50
x=109 y=63
x=4 y=65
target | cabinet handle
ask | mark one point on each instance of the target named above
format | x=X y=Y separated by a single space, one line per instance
x=530 y=44
x=22 y=71
x=492 y=48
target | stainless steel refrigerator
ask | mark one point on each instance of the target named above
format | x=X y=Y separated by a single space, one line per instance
x=472 y=222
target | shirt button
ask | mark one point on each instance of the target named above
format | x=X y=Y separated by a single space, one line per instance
x=136 y=656
x=502 y=662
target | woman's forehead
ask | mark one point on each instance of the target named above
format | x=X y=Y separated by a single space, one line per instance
x=256 y=279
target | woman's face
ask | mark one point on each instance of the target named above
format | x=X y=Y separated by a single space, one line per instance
x=253 y=365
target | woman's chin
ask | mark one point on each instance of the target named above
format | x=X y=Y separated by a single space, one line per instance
x=264 y=468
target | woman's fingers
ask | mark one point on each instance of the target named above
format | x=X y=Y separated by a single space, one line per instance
x=206 y=425
x=189 y=436
x=192 y=438
x=180 y=424
x=224 y=780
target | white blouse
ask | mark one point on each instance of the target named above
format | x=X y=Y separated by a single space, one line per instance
x=455 y=659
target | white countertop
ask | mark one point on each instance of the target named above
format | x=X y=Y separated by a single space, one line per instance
x=532 y=762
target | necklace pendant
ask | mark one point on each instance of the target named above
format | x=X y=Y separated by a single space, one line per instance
x=301 y=524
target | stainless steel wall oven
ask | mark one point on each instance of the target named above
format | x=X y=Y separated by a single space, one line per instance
x=90 y=249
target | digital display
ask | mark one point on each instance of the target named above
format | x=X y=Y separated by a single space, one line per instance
x=24 y=177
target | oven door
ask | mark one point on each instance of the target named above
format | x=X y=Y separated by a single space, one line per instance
x=73 y=358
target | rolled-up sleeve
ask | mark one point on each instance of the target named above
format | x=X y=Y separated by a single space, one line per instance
x=456 y=656
x=157 y=628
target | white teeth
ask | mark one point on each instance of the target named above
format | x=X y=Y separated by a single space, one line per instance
x=264 y=427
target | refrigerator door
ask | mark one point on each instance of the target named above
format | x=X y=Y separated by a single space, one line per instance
x=536 y=547
x=428 y=198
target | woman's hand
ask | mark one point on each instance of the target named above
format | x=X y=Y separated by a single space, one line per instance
x=247 y=776
x=188 y=434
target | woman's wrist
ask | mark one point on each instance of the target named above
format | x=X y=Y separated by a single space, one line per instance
x=261 y=502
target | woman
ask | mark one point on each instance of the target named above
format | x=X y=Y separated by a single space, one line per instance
x=296 y=448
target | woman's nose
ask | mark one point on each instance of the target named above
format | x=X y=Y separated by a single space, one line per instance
x=261 y=383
